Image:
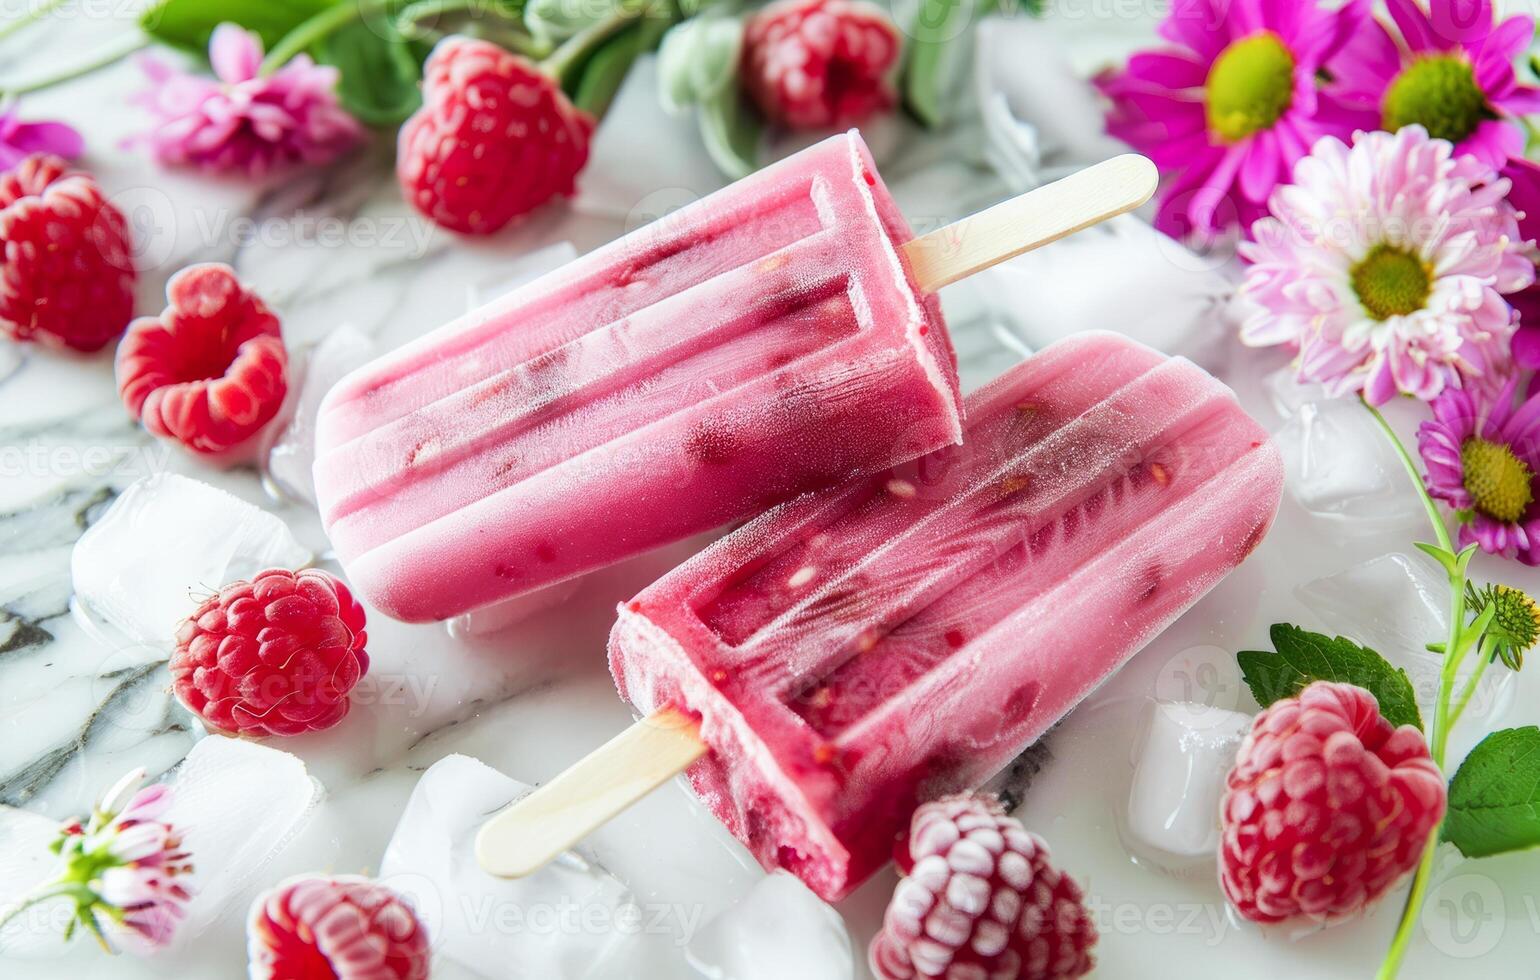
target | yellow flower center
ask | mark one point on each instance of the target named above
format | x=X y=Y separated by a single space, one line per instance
x=1498 y=481
x=1249 y=87
x=1391 y=281
x=1439 y=93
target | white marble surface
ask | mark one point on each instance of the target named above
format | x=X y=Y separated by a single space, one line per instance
x=339 y=247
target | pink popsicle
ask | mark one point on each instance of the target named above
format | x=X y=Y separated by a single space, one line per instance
x=855 y=652
x=765 y=340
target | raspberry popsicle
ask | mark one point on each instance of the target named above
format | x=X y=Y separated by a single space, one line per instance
x=856 y=652
x=777 y=336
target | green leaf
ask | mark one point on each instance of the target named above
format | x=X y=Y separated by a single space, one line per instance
x=731 y=128
x=189 y=23
x=1494 y=800
x=606 y=69
x=553 y=21
x=1305 y=657
x=698 y=59
x=1445 y=558
x=379 y=70
x=937 y=26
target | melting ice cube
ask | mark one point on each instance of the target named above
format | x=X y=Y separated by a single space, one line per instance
x=1392 y=603
x=292 y=455
x=1339 y=465
x=230 y=840
x=163 y=542
x=1097 y=275
x=779 y=929
x=1397 y=604
x=570 y=919
x=1181 y=760
x=25 y=863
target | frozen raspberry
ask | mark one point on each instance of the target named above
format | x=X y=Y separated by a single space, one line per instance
x=1326 y=808
x=980 y=900
x=810 y=64
x=273 y=656
x=209 y=372
x=66 y=260
x=334 y=928
x=495 y=138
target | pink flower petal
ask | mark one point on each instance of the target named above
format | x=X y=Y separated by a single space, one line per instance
x=235 y=54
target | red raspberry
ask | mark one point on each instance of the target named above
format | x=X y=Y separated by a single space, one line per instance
x=211 y=370
x=811 y=64
x=981 y=900
x=66 y=260
x=345 y=927
x=273 y=656
x=1326 y=808
x=495 y=138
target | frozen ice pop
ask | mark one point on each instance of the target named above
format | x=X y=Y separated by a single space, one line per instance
x=855 y=652
x=769 y=339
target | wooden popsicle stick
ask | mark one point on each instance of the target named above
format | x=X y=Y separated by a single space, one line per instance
x=528 y=833
x=1030 y=220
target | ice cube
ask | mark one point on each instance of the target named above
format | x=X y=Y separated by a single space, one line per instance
x=166 y=540
x=1340 y=466
x=570 y=919
x=779 y=929
x=25 y=863
x=1182 y=756
x=1289 y=394
x=230 y=840
x=1397 y=604
x=292 y=454
x=1091 y=280
x=1393 y=603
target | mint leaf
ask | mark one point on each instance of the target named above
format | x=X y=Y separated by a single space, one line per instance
x=1305 y=657
x=1494 y=800
x=189 y=23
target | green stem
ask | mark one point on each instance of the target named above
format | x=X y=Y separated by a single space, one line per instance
x=109 y=55
x=58 y=888
x=318 y=27
x=1470 y=685
x=32 y=16
x=1439 y=730
x=1434 y=517
x=570 y=54
x=410 y=20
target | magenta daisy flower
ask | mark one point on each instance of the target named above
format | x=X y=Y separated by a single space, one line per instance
x=1524 y=175
x=1385 y=266
x=1227 y=112
x=1451 y=73
x=1483 y=457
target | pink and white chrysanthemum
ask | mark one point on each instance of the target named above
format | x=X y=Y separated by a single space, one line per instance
x=1226 y=111
x=1385 y=265
x=243 y=120
x=124 y=869
x=1448 y=69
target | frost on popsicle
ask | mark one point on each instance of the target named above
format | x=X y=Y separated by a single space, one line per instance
x=891 y=640
x=741 y=350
